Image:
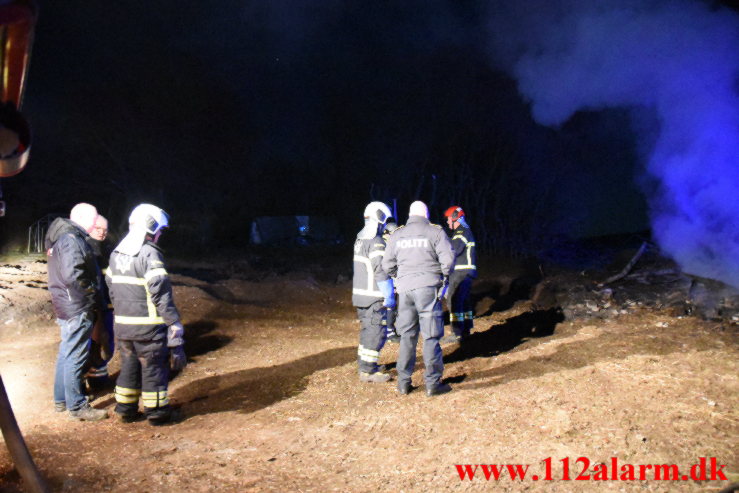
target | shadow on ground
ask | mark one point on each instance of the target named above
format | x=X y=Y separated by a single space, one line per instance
x=199 y=341
x=249 y=390
x=506 y=336
x=572 y=356
x=504 y=293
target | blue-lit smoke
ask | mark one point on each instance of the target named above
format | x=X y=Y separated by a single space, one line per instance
x=676 y=58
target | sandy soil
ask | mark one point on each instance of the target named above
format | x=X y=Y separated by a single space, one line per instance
x=272 y=401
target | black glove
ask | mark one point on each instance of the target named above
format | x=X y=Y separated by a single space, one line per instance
x=177 y=358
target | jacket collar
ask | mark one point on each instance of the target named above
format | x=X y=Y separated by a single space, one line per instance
x=417 y=219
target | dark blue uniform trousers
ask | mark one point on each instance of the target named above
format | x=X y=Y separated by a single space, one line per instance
x=419 y=310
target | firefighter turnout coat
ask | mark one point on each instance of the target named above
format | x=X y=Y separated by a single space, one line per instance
x=368 y=255
x=465 y=256
x=141 y=293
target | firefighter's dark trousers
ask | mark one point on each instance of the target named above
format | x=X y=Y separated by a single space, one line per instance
x=388 y=322
x=144 y=373
x=101 y=349
x=419 y=310
x=371 y=336
x=461 y=315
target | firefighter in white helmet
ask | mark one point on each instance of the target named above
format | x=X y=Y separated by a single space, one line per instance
x=372 y=291
x=149 y=334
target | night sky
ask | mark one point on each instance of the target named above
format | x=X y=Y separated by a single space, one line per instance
x=543 y=119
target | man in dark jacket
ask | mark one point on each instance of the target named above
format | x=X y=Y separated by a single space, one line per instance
x=461 y=315
x=74 y=284
x=419 y=256
x=147 y=326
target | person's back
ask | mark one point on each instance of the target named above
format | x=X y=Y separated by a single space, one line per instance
x=421 y=255
x=372 y=291
x=367 y=271
x=148 y=330
x=141 y=313
x=463 y=243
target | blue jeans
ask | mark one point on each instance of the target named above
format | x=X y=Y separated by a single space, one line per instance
x=72 y=358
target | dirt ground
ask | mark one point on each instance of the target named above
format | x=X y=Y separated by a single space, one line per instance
x=272 y=401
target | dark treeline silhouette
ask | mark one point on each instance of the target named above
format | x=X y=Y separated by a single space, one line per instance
x=264 y=108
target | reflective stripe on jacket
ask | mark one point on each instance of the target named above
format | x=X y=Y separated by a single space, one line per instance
x=368 y=255
x=465 y=256
x=141 y=293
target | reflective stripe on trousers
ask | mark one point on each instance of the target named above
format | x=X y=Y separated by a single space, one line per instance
x=371 y=336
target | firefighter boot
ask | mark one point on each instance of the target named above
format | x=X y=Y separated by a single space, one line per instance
x=130 y=418
x=174 y=415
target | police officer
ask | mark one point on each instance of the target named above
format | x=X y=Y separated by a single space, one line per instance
x=372 y=291
x=149 y=335
x=460 y=281
x=419 y=256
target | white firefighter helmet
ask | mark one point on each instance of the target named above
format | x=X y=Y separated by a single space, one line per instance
x=376 y=214
x=144 y=219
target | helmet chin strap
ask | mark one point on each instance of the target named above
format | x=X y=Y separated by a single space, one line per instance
x=370 y=230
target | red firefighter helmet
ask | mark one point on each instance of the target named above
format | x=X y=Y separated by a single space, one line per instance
x=455 y=212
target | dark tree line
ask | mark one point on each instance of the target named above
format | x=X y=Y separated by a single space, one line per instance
x=259 y=108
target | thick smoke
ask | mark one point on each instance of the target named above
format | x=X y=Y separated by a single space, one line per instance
x=675 y=58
